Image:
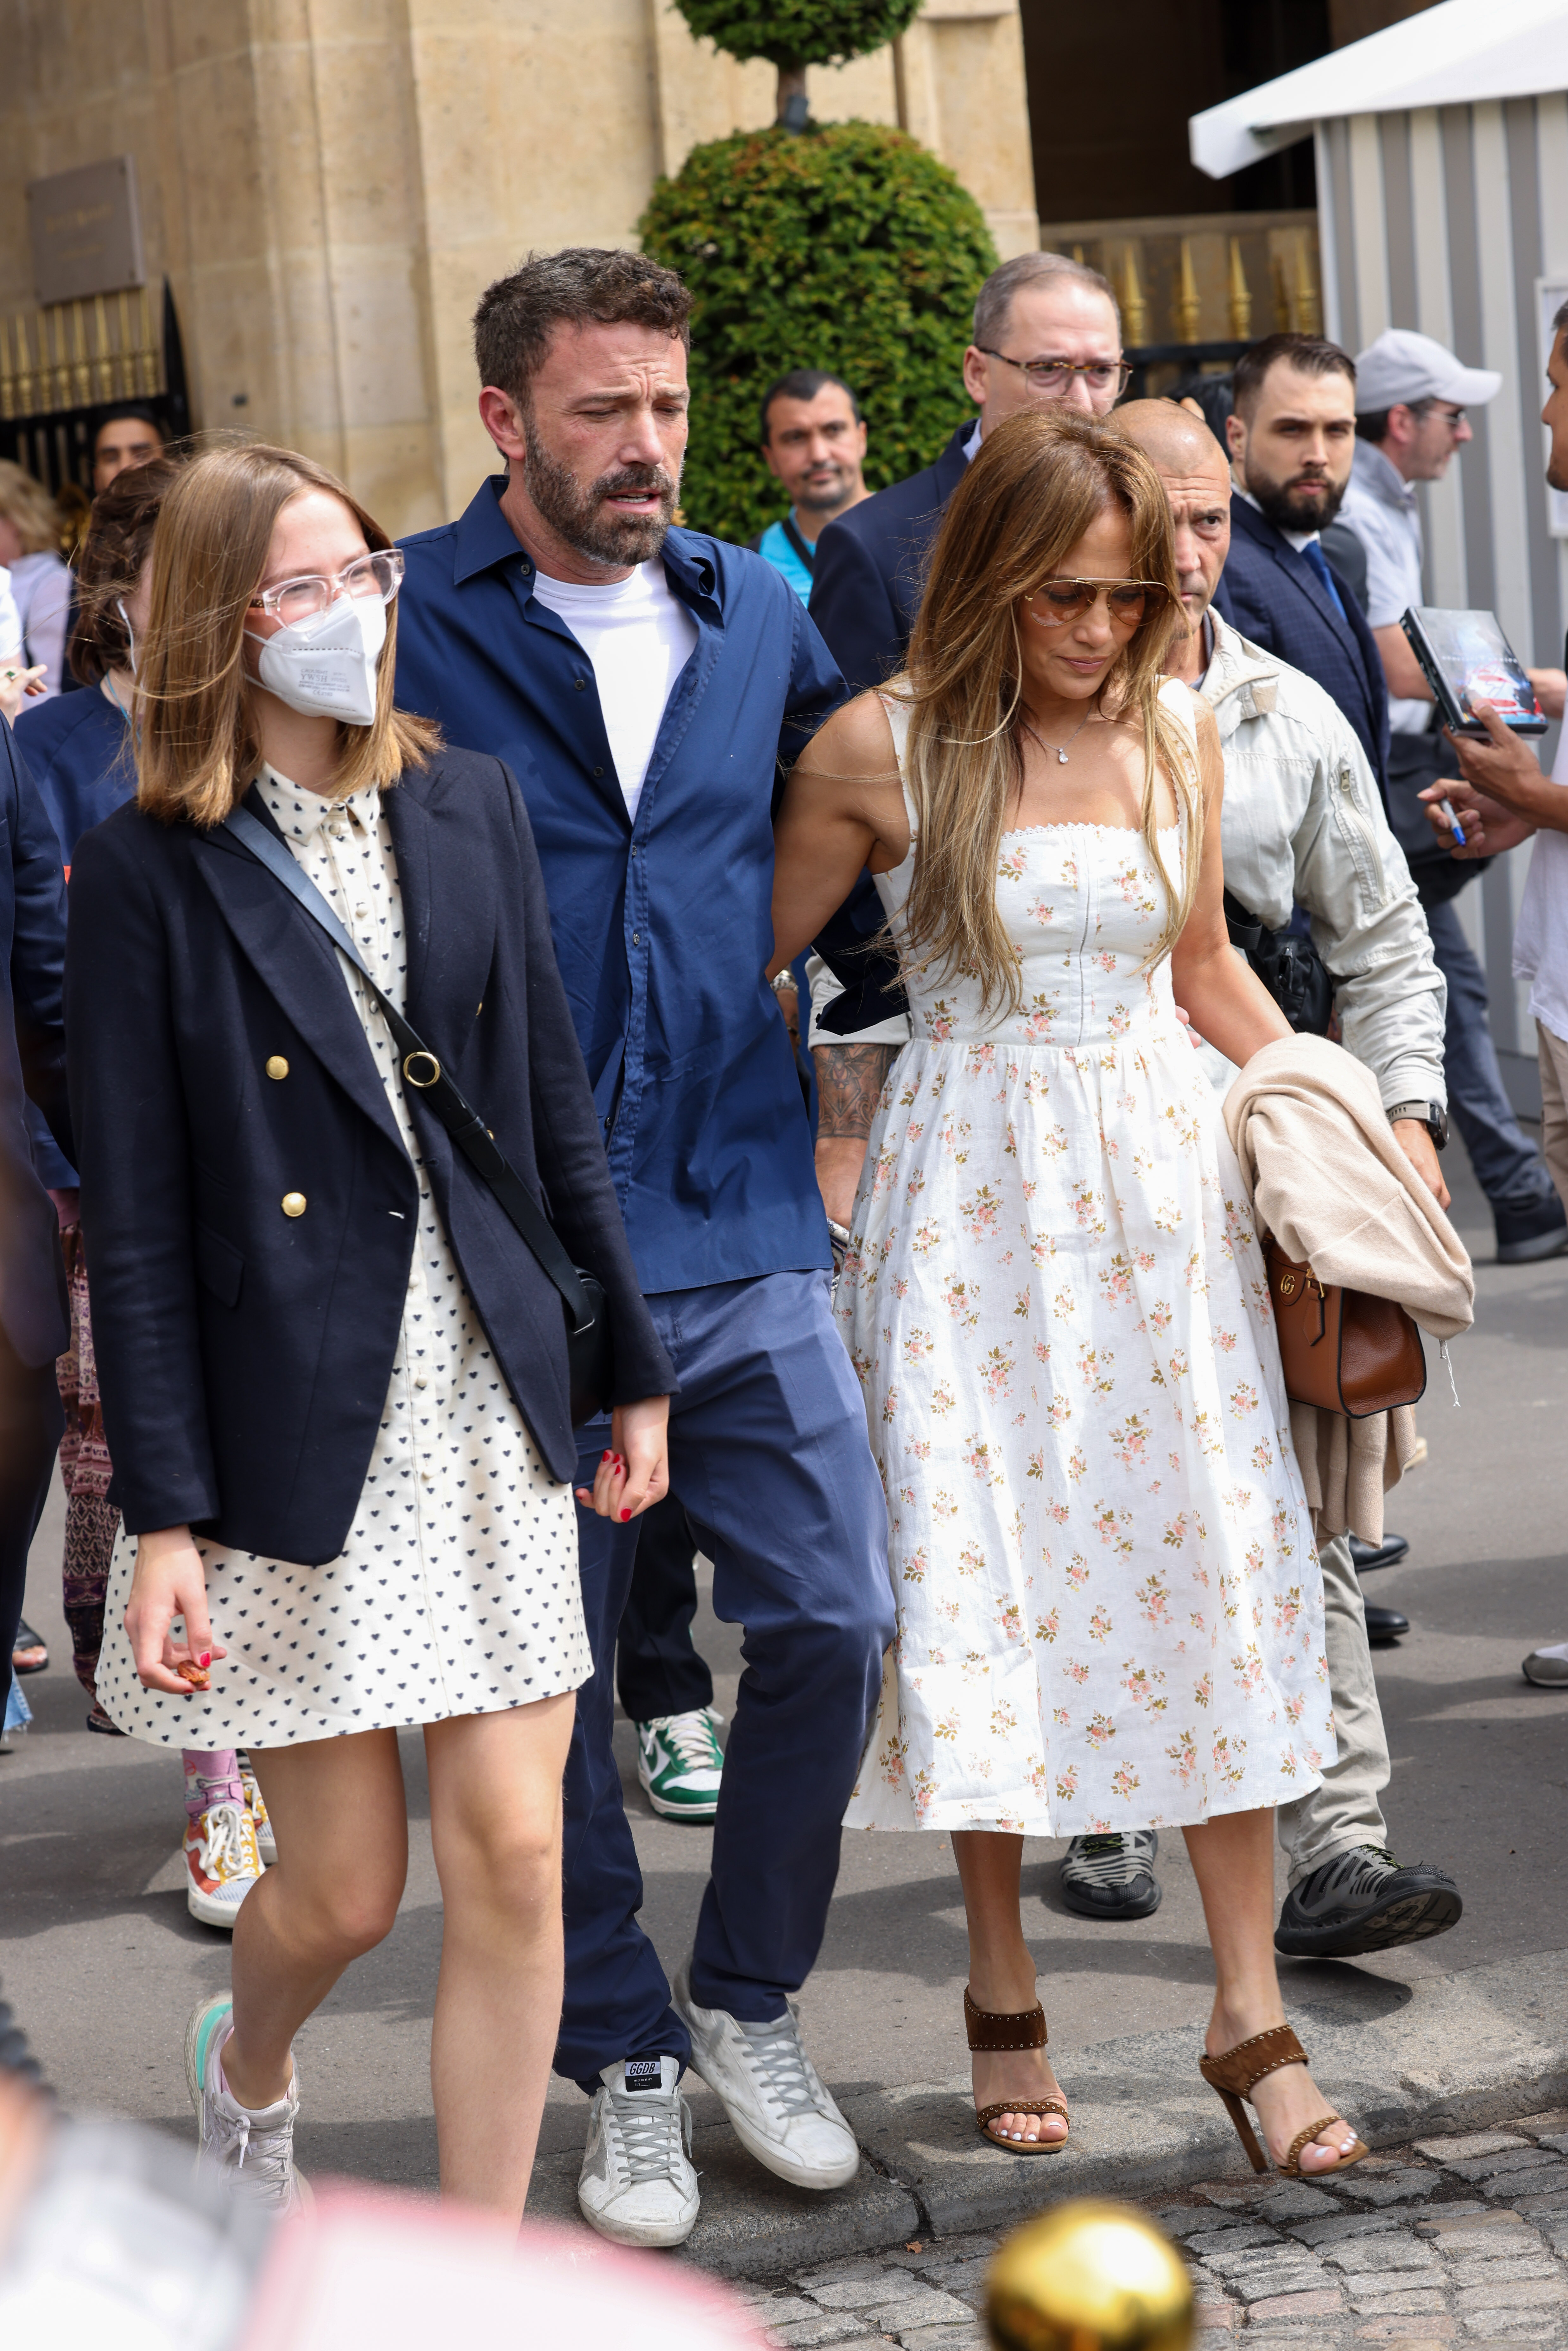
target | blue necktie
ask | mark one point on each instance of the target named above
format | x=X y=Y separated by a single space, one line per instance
x=1313 y=554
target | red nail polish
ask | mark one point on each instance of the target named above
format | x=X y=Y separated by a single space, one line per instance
x=206 y=1657
x=624 y=1516
x=607 y=1456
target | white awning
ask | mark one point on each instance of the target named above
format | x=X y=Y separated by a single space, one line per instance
x=1451 y=54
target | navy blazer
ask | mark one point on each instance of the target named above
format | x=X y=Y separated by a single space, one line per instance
x=1272 y=595
x=244 y=1355
x=871 y=568
x=33 y=1311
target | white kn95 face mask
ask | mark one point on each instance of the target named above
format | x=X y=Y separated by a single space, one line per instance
x=325 y=667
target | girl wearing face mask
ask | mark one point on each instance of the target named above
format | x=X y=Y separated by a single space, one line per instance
x=334 y=1376
x=81 y=752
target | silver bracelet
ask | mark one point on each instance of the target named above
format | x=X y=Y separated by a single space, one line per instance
x=783 y=980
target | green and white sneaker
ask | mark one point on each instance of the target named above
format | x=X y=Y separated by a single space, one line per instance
x=680 y=1763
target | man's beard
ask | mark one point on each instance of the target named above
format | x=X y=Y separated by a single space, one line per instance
x=1280 y=503
x=579 y=516
x=824 y=500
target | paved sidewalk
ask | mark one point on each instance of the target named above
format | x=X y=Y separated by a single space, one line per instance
x=1459 y=2241
x=1461 y=2033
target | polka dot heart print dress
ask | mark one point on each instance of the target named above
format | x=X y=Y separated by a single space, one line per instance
x=1110 y=1609
x=457 y=1591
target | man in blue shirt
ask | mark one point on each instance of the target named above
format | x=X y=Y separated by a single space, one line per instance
x=642 y=682
x=814 y=443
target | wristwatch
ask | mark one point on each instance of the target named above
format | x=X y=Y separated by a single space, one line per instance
x=1429 y=1115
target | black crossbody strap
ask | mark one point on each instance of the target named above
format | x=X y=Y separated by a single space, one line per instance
x=422 y=1070
x=802 y=547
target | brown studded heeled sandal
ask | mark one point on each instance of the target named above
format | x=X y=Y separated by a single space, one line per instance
x=1233 y=2076
x=992 y=2034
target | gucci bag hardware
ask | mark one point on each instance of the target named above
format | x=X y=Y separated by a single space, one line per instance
x=590 y=1363
x=1342 y=1350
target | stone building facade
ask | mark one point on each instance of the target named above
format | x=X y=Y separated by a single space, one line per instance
x=329 y=184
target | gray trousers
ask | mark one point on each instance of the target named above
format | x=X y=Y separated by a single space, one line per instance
x=1345 y=1812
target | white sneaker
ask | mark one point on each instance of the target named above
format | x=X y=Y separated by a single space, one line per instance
x=680 y=1763
x=251 y=2152
x=266 y=1842
x=637 y=2186
x=222 y=1862
x=771 y=2091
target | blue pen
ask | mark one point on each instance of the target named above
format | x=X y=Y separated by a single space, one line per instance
x=1446 y=806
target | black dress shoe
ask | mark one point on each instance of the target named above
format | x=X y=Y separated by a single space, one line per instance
x=1363 y=1901
x=1385 y=1624
x=1524 y=1236
x=1364 y=1555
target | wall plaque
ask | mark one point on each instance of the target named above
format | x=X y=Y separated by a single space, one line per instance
x=86 y=231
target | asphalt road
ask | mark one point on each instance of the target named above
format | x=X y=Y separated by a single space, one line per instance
x=98 y=1953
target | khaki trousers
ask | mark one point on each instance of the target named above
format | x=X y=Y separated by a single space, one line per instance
x=1345 y=1812
x=1553 y=1056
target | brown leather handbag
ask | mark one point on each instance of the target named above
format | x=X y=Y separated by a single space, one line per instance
x=1342 y=1350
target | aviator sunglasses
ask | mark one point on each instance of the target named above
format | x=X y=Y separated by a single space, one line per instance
x=1128 y=602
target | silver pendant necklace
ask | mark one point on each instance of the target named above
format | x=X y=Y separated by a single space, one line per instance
x=1061 y=749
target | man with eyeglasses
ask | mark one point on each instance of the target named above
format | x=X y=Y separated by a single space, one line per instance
x=1411 y=394
x=1046 y=330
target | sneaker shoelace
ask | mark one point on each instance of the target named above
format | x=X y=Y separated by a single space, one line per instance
x=652 y=2132
x=1109 y=1861
x=265 y=2156
x=778 y=2059
x=226 y=1856
x=690 y=1736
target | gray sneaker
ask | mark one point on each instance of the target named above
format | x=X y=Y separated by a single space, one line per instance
x=637 y=2186
x=1547 y=1666
x=251 y=2151
x=777 y=2102
x=1113 y=1876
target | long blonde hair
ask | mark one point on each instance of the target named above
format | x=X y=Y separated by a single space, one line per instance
x=197 y=745
x=1035 y=486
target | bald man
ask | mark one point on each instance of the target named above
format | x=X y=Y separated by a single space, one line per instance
x=1302 y=825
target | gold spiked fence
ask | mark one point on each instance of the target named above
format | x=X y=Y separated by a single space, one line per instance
x=82 y=354
x=1203 y=279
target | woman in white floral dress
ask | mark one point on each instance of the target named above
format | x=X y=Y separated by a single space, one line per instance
x=1110 y=1606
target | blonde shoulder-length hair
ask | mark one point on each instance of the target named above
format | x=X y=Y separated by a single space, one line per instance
x=1035 y=486
x=198 y=749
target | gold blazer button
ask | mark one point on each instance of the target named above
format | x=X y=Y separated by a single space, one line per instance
x=294 y=1204
x=277 y=1066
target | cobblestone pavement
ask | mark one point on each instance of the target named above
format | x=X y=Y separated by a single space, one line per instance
x=1459 y=2242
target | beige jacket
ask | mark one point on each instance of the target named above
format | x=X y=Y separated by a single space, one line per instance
x=1325 y=1174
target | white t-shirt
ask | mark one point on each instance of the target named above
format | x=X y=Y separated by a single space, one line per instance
x=1541 y=935
x=638 y=638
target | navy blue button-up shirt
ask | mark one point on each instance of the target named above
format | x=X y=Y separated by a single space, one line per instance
x=662 y=928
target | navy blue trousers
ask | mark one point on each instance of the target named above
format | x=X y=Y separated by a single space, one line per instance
x=1508 y=1168
x=769 y=1454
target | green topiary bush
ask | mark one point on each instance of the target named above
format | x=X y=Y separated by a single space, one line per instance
x=799 y=32
x=848 y=248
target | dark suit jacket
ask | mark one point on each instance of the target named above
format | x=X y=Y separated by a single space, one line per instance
x=1272 y=595
x=244 y=1355
x=870 y=568
x=33 y=1311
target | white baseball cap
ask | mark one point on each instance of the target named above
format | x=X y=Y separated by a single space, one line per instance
x=1402 y=366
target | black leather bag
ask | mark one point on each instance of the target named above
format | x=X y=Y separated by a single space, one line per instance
x=590 y=1359
x=1290 y=967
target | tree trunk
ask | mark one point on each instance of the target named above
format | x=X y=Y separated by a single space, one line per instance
x=792 y=102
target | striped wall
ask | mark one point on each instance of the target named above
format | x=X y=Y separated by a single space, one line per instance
x=1442 y=219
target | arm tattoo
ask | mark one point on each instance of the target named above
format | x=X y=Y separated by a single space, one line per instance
x=849 y=1081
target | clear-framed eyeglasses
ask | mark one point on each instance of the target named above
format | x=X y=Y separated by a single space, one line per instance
x=1049 y=379
x=301 y=600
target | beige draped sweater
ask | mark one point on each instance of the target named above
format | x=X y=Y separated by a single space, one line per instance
x=1326 y=1177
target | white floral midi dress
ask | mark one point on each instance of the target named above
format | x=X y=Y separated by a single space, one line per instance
x=1110 y=1608
x=457 y=1589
